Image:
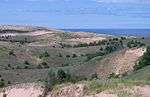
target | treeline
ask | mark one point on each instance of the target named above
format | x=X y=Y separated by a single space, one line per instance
x=101 y=42
x=135 y=43
x=114 y=46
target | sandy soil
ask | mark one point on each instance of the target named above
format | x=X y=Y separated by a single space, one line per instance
x=86 y=40
x=69 y=90
x=144 y=91
x=35 y=33
x=126 y=61
x=23 y=90
x=76 y=90
x=119 y=62
x=18 y=27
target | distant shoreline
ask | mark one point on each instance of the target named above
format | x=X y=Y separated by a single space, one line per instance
x=115 y=32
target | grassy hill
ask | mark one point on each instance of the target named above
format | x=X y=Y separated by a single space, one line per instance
x=28 y=56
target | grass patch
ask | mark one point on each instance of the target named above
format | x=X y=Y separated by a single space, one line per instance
x=114 y=84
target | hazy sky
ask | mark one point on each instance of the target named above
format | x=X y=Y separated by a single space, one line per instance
x=77 y=13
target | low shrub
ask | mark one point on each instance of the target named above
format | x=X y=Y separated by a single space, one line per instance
x=44 y=55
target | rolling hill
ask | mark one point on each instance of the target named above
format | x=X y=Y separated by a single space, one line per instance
x=28 y=54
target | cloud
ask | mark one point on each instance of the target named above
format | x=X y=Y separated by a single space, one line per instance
x=100 y=1
x=35 y=0
x=122 y=1
x=46 y=0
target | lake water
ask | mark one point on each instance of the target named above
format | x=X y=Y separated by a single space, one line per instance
x=117 y=32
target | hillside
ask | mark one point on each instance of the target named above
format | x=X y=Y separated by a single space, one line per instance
x=120 y=62
x=44 y=35
x=38 y=59
x=142 y=74
x=77 y=90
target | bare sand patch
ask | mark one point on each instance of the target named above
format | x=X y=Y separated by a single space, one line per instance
x=23 y=90
x=119 y=62
x=71 y=90
x=35 y=33
x=87 y=40
x=126 y=61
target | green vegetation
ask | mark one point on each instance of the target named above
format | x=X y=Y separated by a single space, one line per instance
x=79 y=59
x=123 y=38
x=74 y=56
x=60 y=76
x=141 y=74
x=113 y=84
x=98 y=43
x=106 y=50
x=91 y=56
x=27 y=63
x=94 y=76
x=110 y=49
x=60 y=55
x=135 y=43
x=113 y=75
x=45 y=65
x=145 y=61
x=11 y=53
x=2 y=83
x=67 y=56
x=44 y=55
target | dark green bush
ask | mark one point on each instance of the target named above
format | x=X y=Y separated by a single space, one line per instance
x=60 y=55
x=44 y=65
x=2 y=83
x=61 y=76
x=27 y=63
x=66 y=64
x=123 y=38
x=68 y=56
x=26 y=67
x=39 y=66
x=74 y=56
x=9 y=82
x=94 y=76
x=44 y=55
x=91 y=56
x=11 y=53
x=135 y=43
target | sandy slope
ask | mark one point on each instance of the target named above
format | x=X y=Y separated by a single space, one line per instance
x=34 y=90
x=126 y=61
x=120 y=62
x=23 y=90
x=70 y=90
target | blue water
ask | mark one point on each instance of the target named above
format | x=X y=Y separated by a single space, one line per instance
x=117 y=32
